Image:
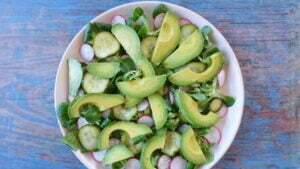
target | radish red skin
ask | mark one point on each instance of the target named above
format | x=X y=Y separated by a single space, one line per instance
x=178 y=163
x=164 y=162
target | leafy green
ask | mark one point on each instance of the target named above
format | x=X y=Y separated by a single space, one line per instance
x=131 y=75
x=91 y=113
x=206 y=149
x=64 y=118
x=172 y=124
x=209 y=47
x=154 y=158
x=161 y=8
x=202 y=131
x=138 y=139
x=119 y=164
x=190 y=165
x=227 y=100
x=140 y=23
x=92 y=29
x=104 y=123
x=126 y=64
x=71 y=139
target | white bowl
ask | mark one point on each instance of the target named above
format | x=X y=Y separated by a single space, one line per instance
x=233 y=84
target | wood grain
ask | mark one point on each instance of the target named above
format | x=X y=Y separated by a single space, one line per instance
x=263 y=34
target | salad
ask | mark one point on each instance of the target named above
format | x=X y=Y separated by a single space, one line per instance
x=146 y=93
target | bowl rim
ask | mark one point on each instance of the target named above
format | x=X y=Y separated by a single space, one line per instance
x=79 y=155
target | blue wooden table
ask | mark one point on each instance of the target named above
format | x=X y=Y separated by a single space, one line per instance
x=263 y=33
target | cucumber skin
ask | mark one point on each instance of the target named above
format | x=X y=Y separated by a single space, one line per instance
x=75 y=76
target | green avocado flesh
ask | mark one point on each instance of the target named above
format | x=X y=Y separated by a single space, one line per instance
x=187 y=51
x=168 y=38
x=189 y=109
x=102 y=101
x=186 y=76
x=104 y=70
x=155 y=143
x=117 y=153
x=190 y=149
x=132 y=129
x=159 y=110
x=141 y=88
x=131 y=43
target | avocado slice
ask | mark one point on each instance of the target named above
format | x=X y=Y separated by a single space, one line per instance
x=141 y=88
x=159 y=110
x=168 y=38
x=104 y=70
x=155 y=143
x=190 y=149
x=132 y=129
x=187 y=76
x=117 y=153
x=131 y=101
x=131 y=43
x=189 y=110
x=187 y=51
x=101 y=100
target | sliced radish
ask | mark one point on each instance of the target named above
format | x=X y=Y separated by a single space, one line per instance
x=81 y=122
x=113 y=141
x=183 y=21
x=178 y=163
x=164 y=162
x=143 y=105
x=124 y=56
x=221 y=77
x=106 y=113
x=99 y=155
x=158 y=20
x=171 y=97
x=118 y=19
x=87 y=52
x=183 y=127
x=133 y=163
x=214 y=136
x=223 y=111
x=146 y=119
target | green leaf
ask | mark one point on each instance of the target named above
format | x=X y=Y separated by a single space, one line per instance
x=63 y=115
x=71 y=139
x=227 y=100
x=172 y=124
x=92 y=29
x=161 y=8
x=138 y=139
x=202 y=131
x=91 y=113
x=137 y=13
x=190 y=165
x=104 y=123
x=206 y=30
x=119 y=164
x=206 y=149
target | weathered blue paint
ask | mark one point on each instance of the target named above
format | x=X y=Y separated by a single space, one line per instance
x=263 y=34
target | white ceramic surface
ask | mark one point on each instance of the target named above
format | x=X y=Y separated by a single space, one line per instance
x=233 y=84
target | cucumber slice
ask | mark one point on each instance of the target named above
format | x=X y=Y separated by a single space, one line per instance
x=94 y=84
x=186 y=30
x=124 y=114
x=215 y=105
x=75 y=76
x=105 y=44
x=88 y=137
x=172 y=144
x=196 y=66
x=104 y=70
x=148 y=45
